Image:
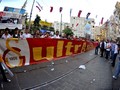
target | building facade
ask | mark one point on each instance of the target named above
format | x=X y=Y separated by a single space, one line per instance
x=60 y=26
x=80 y=26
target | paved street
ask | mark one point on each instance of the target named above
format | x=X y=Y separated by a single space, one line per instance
x=65 y=74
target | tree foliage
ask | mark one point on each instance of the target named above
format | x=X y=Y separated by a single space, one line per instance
x=51 y=29
x=44 y=27
x=68 y=31
x=48 y=28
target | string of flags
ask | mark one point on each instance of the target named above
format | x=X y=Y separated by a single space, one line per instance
x=40 y=8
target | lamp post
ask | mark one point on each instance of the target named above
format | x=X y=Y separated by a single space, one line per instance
x=61 y=25
x=31 y=14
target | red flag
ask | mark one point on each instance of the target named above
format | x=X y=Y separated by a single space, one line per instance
x=38 y=8
x=79 y=13
x=60 y=10
x=102 y=20
x=77 y=24
x=51 y=9
x=106 y=23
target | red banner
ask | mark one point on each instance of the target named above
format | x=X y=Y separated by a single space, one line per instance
x=50 y=49
x=36 y=50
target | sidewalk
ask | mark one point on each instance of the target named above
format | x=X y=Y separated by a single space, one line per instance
x=65 y=74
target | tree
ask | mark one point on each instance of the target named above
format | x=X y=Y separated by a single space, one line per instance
x=44 y=27
x=51 y=29
x=68 y=31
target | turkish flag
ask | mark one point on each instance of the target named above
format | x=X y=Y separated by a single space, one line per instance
x=77 y=24
x=102 y=20
x=79 y=13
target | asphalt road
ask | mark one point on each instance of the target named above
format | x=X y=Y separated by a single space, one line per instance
x=65 y=74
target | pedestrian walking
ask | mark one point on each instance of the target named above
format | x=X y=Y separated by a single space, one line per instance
x=102 y=47
x=108 y=47
x=97 y=45
x=112 y=49
x=114 y=54
x=117 y=70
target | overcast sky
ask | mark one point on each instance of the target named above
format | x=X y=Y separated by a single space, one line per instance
x=101 y=8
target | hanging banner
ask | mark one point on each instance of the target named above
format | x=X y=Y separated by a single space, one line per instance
x=15 y=10
x=31 y=51
x=10 y=15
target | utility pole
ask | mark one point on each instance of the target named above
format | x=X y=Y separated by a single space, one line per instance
x=61 y=25
x=31 y=14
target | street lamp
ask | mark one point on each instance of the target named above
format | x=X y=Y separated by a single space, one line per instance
x=31 y=15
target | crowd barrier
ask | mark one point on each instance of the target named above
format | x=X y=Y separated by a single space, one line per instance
x=29 y=51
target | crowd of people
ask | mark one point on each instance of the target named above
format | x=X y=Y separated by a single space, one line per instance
x=109 y=50
x=37 y=34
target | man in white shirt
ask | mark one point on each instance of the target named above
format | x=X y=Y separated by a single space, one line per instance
x=56 y=35
x=108 y=47
x=6 y=34
x=26 y=34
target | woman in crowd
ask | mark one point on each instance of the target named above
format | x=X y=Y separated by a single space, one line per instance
x=37 y=34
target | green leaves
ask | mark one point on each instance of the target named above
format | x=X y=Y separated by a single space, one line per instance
x=68 y=31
